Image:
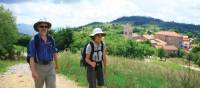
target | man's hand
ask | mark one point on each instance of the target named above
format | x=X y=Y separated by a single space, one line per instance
x=55 y=57
x=35 y=75
x=33 y=69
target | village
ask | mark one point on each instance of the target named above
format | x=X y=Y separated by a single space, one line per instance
x=170 y=41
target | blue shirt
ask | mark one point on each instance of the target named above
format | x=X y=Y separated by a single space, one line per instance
x=44 y=50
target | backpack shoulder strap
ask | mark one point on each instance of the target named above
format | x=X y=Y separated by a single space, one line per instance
x=36 y=41
x=102 y=46
x=92 y=46
x=51 y=39
x=92 y=49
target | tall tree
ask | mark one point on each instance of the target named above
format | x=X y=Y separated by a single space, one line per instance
x=8 y=33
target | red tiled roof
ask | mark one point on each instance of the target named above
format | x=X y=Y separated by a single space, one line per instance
x=161 y=42
x=148 y=37
x=170 y=47
x=168 y=33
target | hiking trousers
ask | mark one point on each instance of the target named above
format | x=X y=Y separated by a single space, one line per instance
x=95 y=75
x=47 y=76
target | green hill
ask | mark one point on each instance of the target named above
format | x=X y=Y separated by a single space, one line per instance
x=142 y=20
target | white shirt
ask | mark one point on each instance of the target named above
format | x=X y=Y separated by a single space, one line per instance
x=97 y=55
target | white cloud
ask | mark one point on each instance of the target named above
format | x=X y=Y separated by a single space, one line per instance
x=171 y=10
x=85 y=11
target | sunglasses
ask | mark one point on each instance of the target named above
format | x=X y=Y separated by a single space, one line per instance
x=99 y=35
x=43 y=26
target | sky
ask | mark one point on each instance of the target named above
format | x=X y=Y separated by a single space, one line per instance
x=73 y=13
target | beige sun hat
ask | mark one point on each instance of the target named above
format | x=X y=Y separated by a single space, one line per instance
x=97 y=31
x=35 y=26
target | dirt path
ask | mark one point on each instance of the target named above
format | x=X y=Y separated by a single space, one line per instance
x=19 y=76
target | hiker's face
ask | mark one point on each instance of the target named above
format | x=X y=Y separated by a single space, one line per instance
x=98 y=38
x=43 y=28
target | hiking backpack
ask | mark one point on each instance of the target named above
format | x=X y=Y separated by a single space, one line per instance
x=36 y=44
x=83 y=62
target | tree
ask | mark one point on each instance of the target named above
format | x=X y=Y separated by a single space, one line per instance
x=80 y=38
x=51 y=32
x=23 y=40
x=147 y=42
x=189 y=34
x=63 y=38
x=8 y=34
x=195 y=55
x=196 y=49
x=181 y=52
x=162 y=53
x=196 y=40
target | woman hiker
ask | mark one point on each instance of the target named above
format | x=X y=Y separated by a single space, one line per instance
x=96 y=60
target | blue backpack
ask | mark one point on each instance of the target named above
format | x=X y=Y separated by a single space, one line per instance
x=36 y=43
x=83 y=62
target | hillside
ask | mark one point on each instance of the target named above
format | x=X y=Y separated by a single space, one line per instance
x=136 y=20
x=141 y=20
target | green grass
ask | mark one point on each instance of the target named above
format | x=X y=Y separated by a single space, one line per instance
x=4 y=64
x=71 y=68
x=129 y=73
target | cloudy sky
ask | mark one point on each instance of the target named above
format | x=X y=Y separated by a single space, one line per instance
x=80 y=12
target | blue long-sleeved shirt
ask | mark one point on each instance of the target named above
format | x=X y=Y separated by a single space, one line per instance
x=44 y=51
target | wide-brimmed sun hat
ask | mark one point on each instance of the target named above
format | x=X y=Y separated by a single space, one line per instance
x=35 y=26
x=97 y=31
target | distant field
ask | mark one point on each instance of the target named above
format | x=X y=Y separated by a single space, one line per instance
x=129 y=73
